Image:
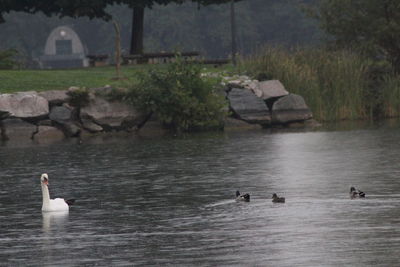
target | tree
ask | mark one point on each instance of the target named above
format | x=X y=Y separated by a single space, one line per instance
x=371 y=26
x=138 y=7
x=70 y=8
x=94 y=8
x=206 y=30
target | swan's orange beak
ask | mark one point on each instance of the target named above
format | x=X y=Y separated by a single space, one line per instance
x=46 y=182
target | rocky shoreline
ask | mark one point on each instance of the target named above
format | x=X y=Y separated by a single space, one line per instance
x=51 y=115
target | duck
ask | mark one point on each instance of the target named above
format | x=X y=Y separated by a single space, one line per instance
x=58 y=204
x=276 y=199
x=244 y=197
x=356 y=193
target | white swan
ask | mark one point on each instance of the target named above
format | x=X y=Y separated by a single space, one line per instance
x=58 y=204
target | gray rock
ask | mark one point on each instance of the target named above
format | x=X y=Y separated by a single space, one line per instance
x=48 y=134
x=111 y=115
x=60 y=114
x=290 y=108
x=63 y=117
x=272 y=89
x=45 y=123
x=55 y=97
x=90 y=126
x=235 y=84
x=255 y=88
x=70 y=129
x=248 y=106
x=17 y=129
x=24 y=105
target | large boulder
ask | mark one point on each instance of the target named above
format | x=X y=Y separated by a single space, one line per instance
x=248 y=106
x=63 y=117
x=60 y=114
x=24 y=105
x=111 y=114
x=90 y=126
x=272 y=89
x=255 y=88
x=55 y=97
x=290 y=108
x=17 y=129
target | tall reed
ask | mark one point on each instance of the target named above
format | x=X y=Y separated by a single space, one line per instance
x=391 y=96
x=332 y=83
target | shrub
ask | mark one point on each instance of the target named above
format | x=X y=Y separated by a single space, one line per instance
x=78 y=97
x=7 y=59
x=179 y=97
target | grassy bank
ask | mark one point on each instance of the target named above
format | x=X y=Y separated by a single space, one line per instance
x=337 y=85
x=331 y=83
x=42 y=80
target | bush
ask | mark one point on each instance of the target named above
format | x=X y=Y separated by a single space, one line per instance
x=179 y=97
x=7 y=59
x=78 y=97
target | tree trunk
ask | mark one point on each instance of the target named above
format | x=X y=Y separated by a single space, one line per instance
x=117 y=49
x=137 y=31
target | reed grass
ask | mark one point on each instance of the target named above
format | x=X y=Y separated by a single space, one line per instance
x=333 y=83
x=391 y=96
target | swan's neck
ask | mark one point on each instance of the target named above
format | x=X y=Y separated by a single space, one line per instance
x=46 y=196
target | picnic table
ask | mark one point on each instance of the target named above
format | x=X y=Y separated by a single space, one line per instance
x=97 y=60
x=156 y=58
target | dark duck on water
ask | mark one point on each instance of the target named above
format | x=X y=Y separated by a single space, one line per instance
x=355 y=193
x=277 y=199
x=244 y=197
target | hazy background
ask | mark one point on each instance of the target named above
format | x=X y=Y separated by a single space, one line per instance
x=186 y=27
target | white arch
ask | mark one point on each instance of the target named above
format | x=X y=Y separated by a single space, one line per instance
x=63 y=33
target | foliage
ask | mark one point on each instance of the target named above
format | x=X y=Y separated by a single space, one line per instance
x=7 y=59
x=179 y=97
x=391 y=96
x=71 y=8
x=206 y=30
x=371 y=26
x=333 y=83
x=93 y=9
x=78 y=97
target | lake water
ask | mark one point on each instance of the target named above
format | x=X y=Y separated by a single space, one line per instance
x=170 y=201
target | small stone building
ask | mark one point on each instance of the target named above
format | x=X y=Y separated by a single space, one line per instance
x=63 y=49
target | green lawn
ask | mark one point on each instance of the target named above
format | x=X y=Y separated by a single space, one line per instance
x=43 y=80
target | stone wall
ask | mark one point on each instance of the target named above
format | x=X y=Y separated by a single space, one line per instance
x=265 y=103
x=51 y=116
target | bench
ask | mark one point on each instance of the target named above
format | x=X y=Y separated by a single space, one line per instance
x=156 y=58
x=214 y=62
x=97 y=60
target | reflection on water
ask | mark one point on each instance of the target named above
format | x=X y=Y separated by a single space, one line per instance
x=171 y=201
x=54 y=220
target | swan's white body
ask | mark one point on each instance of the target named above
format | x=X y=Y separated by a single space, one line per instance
x=57 y=204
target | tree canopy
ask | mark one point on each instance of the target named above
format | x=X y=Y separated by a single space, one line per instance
x=71 y=8
x=371 y=26
x=206 y=30
x=92 y=9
